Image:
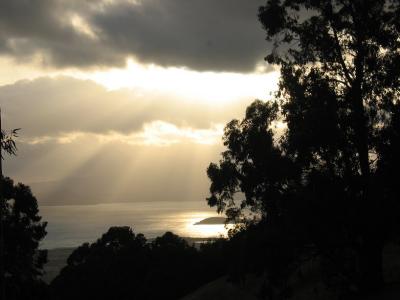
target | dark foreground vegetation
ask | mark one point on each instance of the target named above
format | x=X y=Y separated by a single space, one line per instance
x=326 y=185
x=323 y=186
x=121 y=265
x=22 y=230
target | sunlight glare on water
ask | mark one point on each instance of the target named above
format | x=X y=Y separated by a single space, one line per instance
x=72 y=225
x=203 y=230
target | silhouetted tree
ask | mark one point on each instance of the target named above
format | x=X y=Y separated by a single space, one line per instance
x=7 y=144
x=123 y=265
x=254 y=183
x=175 y=267
x=252 y=164
x=341 y=73
x=23 y=231
x=334 y=165
x=113 y=267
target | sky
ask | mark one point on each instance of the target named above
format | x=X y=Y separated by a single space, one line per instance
x=126 y=100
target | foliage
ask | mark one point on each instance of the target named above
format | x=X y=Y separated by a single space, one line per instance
x=252 y=164
x=327 y=181
x=7 y=141
x=123 y=265
x=23 y=231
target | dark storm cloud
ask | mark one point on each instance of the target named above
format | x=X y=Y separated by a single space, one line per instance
x=221 y=35
x=204 y=35
x=29 y=27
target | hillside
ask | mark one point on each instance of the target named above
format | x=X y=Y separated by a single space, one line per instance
x=307 y=287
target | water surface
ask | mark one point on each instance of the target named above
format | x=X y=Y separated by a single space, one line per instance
x=72 y=225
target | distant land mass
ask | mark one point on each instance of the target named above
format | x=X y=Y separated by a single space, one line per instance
x=212 y=221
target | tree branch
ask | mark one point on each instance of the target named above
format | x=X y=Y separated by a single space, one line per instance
x=341 y=59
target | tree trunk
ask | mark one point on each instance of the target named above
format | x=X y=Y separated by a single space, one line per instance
x=370 y=265
x=371 y=242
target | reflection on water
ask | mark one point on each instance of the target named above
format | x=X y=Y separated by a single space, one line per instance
x=192 y=230
x=72 y=225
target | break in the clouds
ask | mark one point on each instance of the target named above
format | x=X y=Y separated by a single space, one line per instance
x=62 y=109
x=83 y=144
x=221 y=35
x=87 y=171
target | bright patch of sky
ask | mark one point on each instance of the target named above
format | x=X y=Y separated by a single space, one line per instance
x=217 y=87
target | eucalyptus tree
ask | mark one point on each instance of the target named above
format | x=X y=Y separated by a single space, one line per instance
x=339 y=97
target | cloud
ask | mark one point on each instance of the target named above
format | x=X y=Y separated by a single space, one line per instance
x=157 y=133
x=221 y=35
x=90 y=171
x=83 y=144
x=59 y=108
